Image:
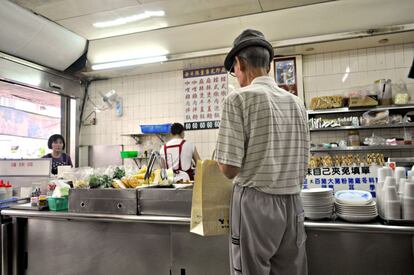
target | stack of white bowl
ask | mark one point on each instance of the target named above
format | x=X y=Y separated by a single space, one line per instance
x=408 y=201
x=355 y=205
x=318 y=203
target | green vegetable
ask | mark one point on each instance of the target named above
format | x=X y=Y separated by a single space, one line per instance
x=100 y=181
x=106 y=181
x=119 y=173
x=94 y=181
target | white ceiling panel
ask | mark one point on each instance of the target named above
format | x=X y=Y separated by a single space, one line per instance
x=204 y=25
x=269 y=5
x=178 y=12
x=277 y=25
x=63 y=9
x=366 y=42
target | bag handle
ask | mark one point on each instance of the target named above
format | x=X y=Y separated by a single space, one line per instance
x=214 y=154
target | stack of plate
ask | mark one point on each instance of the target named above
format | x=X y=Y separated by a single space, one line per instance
x=355 y=205
x=318 y=203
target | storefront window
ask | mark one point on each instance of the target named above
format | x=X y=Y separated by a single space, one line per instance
x=27 y=118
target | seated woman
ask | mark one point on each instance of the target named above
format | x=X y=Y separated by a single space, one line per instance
x=57 y=144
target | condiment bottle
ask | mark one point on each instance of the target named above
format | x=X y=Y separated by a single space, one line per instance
x=9 y=190
x=3 y=192
x=34 y=199
x=43 y=202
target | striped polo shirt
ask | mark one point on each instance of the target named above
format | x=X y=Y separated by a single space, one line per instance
x=264 y=131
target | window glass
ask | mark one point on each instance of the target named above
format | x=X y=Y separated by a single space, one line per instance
x=27 y=118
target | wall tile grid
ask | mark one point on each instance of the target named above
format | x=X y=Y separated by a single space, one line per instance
x=158 y=97
x=324 y=74
x=148 y=99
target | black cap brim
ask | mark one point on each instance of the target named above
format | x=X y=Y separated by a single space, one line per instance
x=228 y=62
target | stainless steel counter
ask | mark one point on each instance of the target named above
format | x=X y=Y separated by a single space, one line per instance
x=333 y=225
x=95 y=217
x=141 y=245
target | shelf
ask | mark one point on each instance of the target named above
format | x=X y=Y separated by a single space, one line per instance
x=138 y=137
x=355 y=110
x=343 y=128
x=364 y=148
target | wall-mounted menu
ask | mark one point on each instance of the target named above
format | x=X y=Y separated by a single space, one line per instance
x=204 y=91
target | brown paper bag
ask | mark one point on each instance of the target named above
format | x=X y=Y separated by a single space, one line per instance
x=211 y=200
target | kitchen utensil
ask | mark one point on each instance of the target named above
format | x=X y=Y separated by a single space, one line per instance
x=150 y=166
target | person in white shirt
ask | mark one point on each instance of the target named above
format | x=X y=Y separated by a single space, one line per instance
x=179 y=154
x=263 y=145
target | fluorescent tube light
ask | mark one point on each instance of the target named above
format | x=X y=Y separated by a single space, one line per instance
x=131 y=62
x=128 y=19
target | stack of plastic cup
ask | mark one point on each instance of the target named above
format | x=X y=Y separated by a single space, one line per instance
x=382 y=174
x=408 y=201
x=391 y=203
x=389 y=182
x=401 y=187
x=399 y=173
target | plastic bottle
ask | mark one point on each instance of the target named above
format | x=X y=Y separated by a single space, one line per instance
x=9 y=190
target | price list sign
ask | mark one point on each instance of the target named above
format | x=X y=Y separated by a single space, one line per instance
x=343 y=178
x=204 y=91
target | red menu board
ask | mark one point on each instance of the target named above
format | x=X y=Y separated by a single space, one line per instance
x=204 y=91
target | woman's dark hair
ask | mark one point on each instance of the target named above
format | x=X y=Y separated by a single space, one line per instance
x=54 y=138
x=177 y=128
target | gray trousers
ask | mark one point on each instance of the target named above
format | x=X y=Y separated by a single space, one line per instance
x=267 y=234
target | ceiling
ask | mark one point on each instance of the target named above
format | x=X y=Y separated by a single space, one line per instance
x=199 y=32
x=79 y=15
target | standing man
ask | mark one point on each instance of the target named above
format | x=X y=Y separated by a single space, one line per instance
x=263 y=144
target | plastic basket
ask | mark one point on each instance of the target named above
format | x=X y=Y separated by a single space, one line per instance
x=58 y=204
x=129 y=154
x=156 y=128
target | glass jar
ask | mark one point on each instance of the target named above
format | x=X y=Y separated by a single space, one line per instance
x=353 y=138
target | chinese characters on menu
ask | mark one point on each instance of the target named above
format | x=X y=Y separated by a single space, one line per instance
x=204 y=91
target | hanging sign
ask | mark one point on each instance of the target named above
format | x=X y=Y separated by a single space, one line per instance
x=204 y=91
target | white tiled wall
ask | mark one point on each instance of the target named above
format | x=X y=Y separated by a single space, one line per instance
x=323 y=74
x=148 y=99
x=158 y=98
